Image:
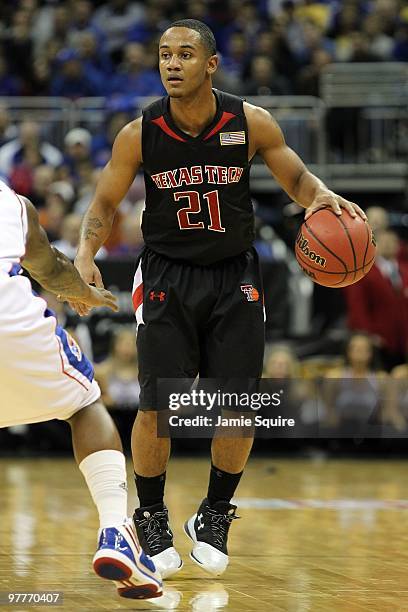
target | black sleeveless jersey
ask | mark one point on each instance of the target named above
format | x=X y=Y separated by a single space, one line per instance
x=198 y=205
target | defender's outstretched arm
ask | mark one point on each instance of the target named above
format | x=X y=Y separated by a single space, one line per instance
x=54 y=271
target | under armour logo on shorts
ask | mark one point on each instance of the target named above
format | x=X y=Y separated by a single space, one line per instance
x=157 y=295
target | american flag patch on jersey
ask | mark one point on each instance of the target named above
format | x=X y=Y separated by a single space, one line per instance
x=232 y=138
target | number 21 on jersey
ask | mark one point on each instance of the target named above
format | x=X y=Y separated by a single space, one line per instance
x=194 y=207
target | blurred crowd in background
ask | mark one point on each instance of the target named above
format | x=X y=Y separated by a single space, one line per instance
x=81 y=49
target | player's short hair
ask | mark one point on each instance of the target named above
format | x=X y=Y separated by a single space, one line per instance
x=207 y=37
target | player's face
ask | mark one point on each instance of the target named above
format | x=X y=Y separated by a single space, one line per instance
x=184 y=62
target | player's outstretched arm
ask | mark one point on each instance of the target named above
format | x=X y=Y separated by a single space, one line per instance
x=266 y=138
x=113 y=184
x=54 y=271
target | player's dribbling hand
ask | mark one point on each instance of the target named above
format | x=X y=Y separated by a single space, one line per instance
x=336 y=202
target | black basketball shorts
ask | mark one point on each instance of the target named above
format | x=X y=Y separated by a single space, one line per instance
x=206 y=320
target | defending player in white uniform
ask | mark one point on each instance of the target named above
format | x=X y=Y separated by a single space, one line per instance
x=44 y=375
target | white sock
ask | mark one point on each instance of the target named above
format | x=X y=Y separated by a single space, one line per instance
x=105 y=475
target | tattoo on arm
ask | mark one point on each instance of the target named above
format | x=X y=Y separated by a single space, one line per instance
x=94 y=222
x=91 y=224
x=88 y=233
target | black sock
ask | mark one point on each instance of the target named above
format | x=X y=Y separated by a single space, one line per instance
x=222 y=485
x=150 y=489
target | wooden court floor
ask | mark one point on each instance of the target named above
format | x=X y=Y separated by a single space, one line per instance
x=315 y=536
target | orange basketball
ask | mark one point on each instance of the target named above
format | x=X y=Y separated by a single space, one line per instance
x=335 y=251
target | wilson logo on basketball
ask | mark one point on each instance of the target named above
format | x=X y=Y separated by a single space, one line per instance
x=303 y=245
x=252 y=294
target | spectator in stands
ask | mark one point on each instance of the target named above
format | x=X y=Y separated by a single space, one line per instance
x=308 y=81
x=388 y=13
x=118 y=374
x=248 y=20
x=198 y=9
x=131 y=241
x=380 y=44
x=77 y=150
x=85 y=177
x=115 y=18
x=50 y=27
x=150 y=26
x=273 y=43
x=226 y=81
x=263 y=80
x=235 y=60
x=65 y=190
x=345 y=21
x=292 y=26
x=29 y=140
x=43 y=177
x=118 y=115
x=396 y=408
x=313 y=38
x=10 y=85
x=82 y=22
x=18 y=46
x=40 y=77
x=282 y=365
x=360 y=50
x=134 y=78
x=72 y=80
x=42 y=18
x=400 y=50
x=315 y=12
x=92 y=53
x=70 y=232
x=379 y=219
x=378 y=304
x=86 y=193
x=352 y=394
x=52 y=215
x=8 y=130
x=61 y=23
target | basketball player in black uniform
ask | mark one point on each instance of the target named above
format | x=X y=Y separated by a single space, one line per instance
x=197 y=291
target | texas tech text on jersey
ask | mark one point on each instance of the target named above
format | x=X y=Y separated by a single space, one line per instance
x=195 y=175
x=198 y=205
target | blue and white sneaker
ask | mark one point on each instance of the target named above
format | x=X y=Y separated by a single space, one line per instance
x=120 y=558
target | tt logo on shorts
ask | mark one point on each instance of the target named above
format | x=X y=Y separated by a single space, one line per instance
x=252 y=294
x=157 y=295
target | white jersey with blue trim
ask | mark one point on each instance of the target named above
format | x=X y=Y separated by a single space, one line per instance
x=44 y=374
x=13 y=228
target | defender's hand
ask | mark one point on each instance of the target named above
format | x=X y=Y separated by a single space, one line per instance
x=95 y=298
x=336 y=202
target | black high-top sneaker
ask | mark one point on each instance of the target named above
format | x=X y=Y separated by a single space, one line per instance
x=156 y=538
x=208 y=529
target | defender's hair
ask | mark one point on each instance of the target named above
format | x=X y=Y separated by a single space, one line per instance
x=207 y=37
